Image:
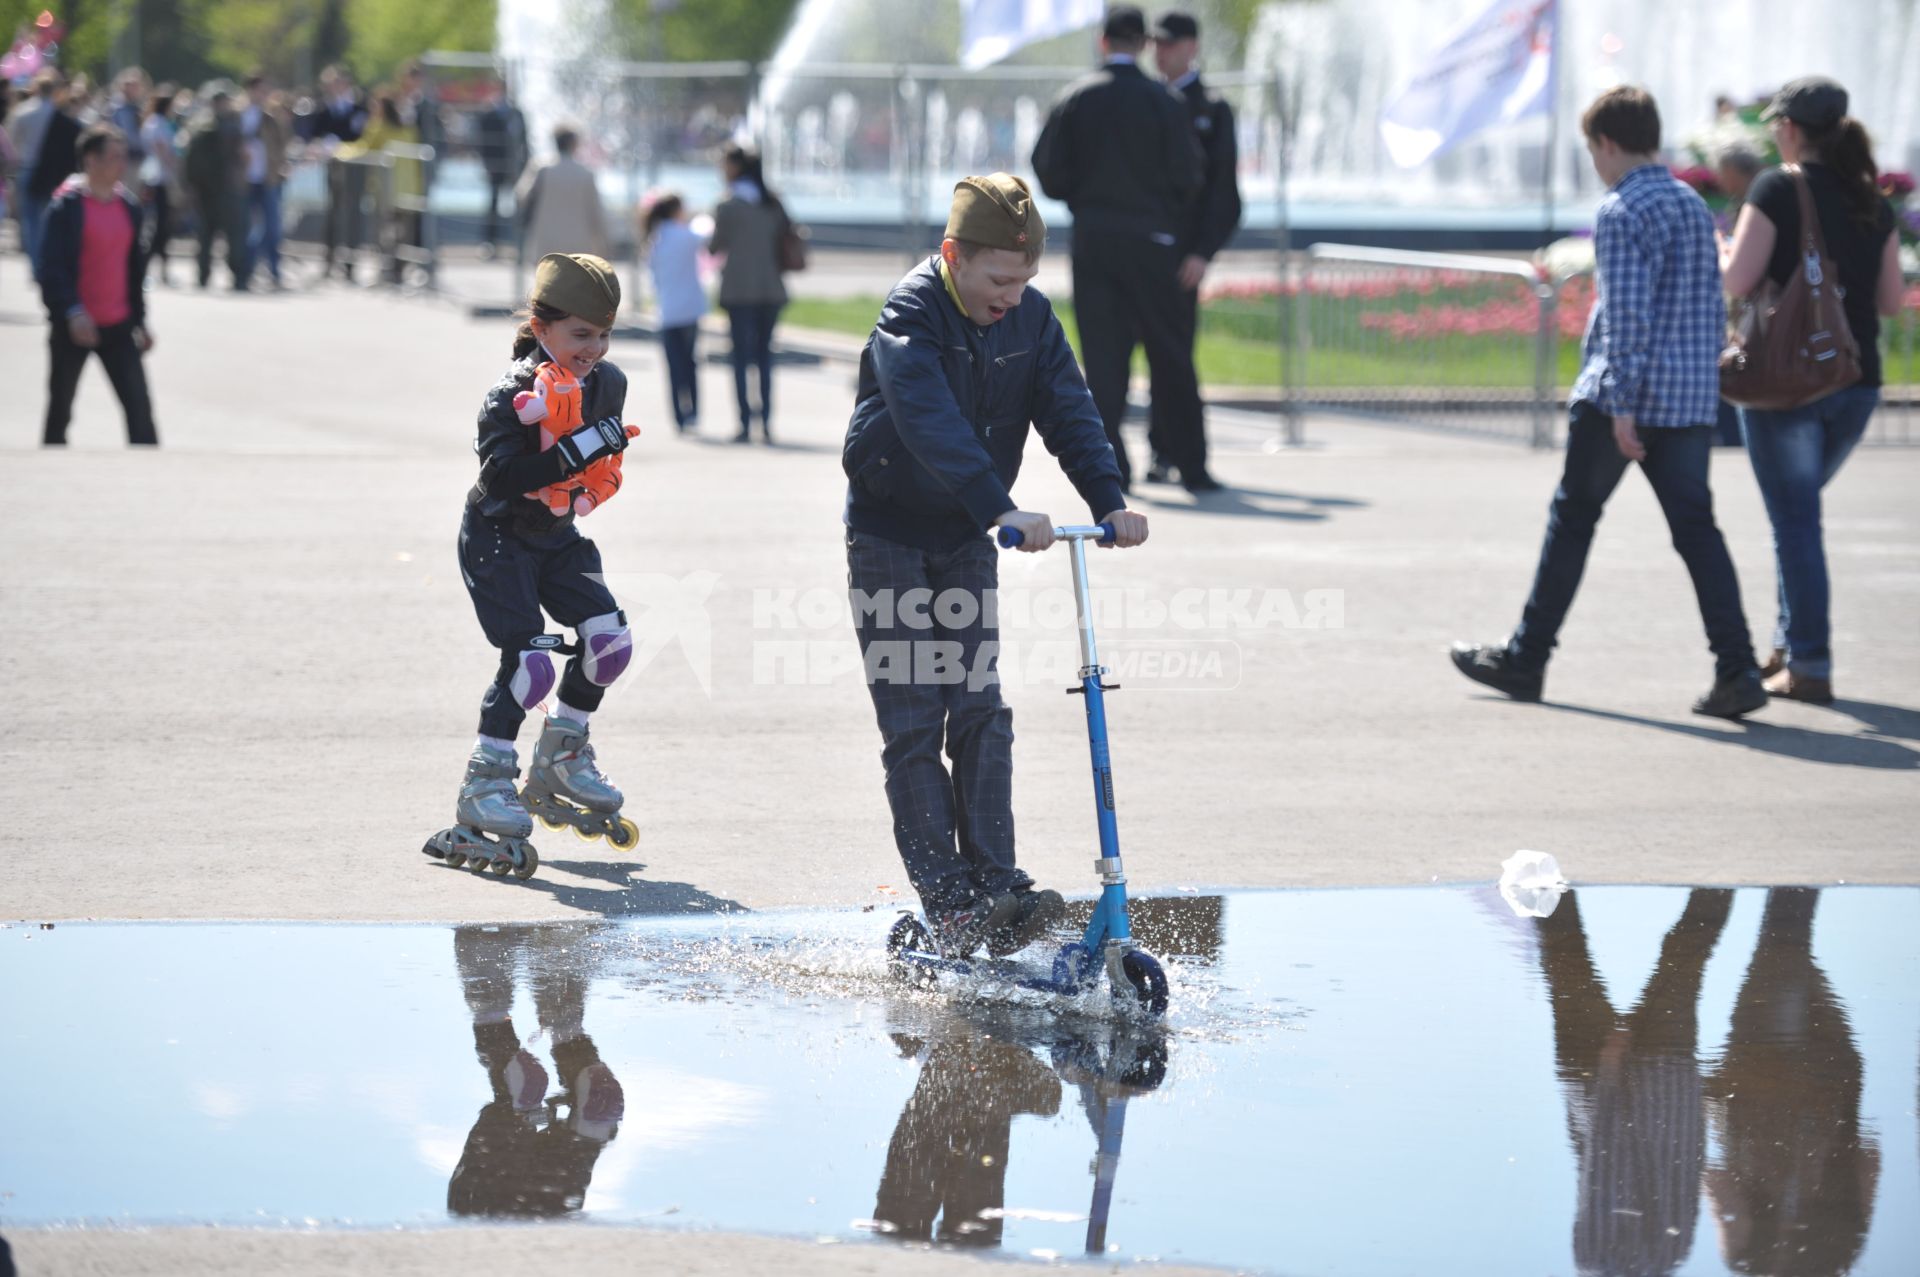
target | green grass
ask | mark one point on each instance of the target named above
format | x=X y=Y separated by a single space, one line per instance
x=1235 y=357
x=1239 y=346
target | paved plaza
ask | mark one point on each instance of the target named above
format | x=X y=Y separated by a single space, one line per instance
x=243 y=673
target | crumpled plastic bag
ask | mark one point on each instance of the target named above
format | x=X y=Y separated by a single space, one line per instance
x=1531 y=884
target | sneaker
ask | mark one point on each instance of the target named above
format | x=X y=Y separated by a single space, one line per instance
x=1201 y=484
x=1775 y=663
x=958 y=932
x=1161 y=472
x=1733 y=697
x=1036 y=912
x=1494 y=667
x=1788 y=686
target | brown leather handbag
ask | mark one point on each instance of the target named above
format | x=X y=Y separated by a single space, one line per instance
x=1790 y=346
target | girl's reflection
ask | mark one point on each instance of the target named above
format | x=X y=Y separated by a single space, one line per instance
x=1793 y=1185
x=529 y=1155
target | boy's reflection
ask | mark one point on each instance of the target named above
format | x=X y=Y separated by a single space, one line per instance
x=1794 y=1183
x=948 y=1156
x=1633 y=1089
x=947 y=1160
x=524 y=1158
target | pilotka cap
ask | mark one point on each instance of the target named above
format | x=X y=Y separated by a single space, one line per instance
x=996 y=211
x=580 y=284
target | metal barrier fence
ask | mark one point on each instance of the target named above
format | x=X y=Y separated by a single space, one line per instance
x=1482 y=345
x=864 y=153
x=370 y=210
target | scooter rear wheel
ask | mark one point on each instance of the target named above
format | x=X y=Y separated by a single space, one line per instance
x=1146 y=980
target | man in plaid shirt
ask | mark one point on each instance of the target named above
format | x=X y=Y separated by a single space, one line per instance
x=1648 y=391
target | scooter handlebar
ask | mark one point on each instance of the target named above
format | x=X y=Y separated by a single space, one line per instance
x=1013 y=538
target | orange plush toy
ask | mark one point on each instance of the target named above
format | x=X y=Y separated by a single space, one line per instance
x=554 y=405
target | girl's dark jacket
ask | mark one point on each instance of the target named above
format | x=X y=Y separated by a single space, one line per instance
x=511 y=462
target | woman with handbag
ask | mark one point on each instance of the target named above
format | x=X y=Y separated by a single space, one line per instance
x=1795 y=450
x=750 y=229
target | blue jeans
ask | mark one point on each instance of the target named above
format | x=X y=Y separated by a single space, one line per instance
x=683 y=371
x=1676 y=466
x=1795 y=452
x=263 y=231
x=752 y=328
x=932 y=684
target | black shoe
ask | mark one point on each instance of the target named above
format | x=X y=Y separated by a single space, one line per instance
x=1733 y=697
x=1161 y=472
x=1494 y=667
x=745 y=435
x=1037 y=911
x=958 y=932
x=1202 y=483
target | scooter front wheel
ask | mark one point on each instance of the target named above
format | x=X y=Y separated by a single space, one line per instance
x=1146 y=982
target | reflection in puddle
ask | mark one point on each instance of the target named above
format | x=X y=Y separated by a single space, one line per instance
x=1648 y=1081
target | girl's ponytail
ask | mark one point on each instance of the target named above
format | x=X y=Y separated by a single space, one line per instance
x=524 y=342
x=1848 y=152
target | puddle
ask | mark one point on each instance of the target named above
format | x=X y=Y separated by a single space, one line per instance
x=1650 y=1080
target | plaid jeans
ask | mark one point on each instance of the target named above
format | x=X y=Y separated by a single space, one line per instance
x=935 y=680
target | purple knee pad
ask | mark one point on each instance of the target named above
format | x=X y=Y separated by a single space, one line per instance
x=604 y=656
x=532 y=679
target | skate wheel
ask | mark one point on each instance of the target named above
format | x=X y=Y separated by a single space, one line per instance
x=529 y=861
x=455 y=857
x=501 y=867
x=586 y=835
x=1146 y=982
x=551 y=823
x=478 y=863
x=625 y=834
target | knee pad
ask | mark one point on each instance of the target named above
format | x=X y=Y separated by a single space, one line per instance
x=606 y=645
x=527 y=675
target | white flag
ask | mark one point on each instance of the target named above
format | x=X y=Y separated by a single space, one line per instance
x=992 y=29
x=1495 y=69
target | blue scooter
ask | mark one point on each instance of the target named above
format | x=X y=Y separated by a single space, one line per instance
x=1107 y=949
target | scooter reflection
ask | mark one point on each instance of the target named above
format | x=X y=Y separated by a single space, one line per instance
x=529 y=1155
x=946 y=1168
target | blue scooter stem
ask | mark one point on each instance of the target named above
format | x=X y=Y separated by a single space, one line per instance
x=1013 y=538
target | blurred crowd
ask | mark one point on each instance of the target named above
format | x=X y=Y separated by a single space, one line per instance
x=210 y=165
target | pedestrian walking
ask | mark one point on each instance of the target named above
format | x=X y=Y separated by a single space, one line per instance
x=91 y=271
x=54 y=158
x=1176 y=432
x=1119 y=149
x=966 y=356
x=160 y=177
x=673 y=258
x=216 y=175
x=264 y=131
x=1797 y=451
x=1648 y=392
x=559 y=202
x=749 y=227
x=502 y=131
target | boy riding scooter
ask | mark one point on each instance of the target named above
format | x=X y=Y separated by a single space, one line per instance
x=965 y=357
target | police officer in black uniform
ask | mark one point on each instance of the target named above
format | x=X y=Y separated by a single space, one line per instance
x=1212 y=217
x=1119 y=149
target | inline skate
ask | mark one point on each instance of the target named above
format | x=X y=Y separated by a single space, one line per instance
x=565 y=788
x=492 y=827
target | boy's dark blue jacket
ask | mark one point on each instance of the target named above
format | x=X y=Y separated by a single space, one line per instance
x=59 y=259
x=941 y=419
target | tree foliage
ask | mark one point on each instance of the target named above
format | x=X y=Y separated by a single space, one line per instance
x=188 y=41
